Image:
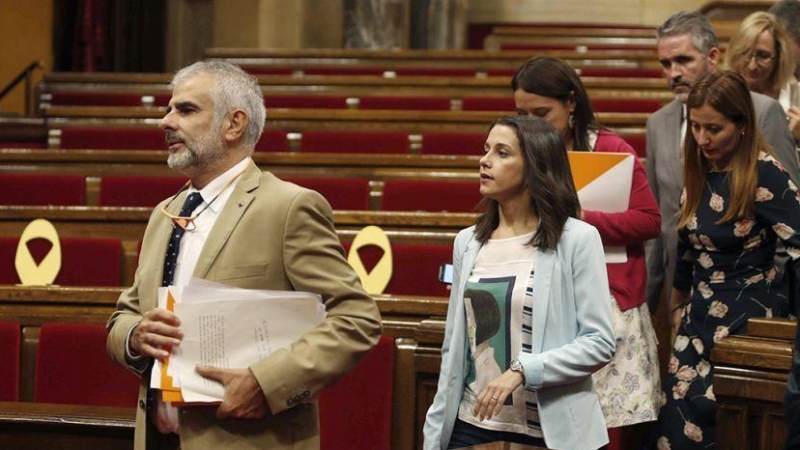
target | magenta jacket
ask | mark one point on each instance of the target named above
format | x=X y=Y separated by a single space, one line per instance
x=642 y=221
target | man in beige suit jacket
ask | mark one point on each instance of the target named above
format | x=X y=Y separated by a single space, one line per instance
x=251 y=230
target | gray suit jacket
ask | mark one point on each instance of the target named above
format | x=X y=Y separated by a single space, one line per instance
x=665 y=175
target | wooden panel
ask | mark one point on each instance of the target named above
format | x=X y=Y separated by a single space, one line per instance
x=454 y=87
x=34 y=426
x=749 y=383
x=479 y=59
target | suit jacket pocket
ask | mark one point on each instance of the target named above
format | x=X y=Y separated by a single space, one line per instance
x=238 y=272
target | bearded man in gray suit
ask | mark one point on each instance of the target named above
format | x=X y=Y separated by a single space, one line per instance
x=688 y=50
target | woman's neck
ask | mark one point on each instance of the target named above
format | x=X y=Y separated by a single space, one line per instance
x=516 y=219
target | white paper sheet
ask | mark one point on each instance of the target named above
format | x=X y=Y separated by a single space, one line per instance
x=610 y=192
x=234 y=328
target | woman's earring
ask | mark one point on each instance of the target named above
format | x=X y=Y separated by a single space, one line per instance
x=571 y=121
x=742 y=133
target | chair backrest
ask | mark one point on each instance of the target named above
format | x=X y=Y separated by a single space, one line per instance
x=415 y=267
x=72 y=367
x=115 y=138
x=504 y=103
x=305 y=101
x=356 y=412
x=354 y=141
x=422 y=103
x=416 y=270
x=9 y=355
x=272 y=141
x=431 y=195
x=92 y=98
x=466 y=144
x=137 y=191
x=42 y=189
x=627 y=105
x=84 y=261
x=341 y=193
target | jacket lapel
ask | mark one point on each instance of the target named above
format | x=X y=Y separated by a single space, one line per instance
x=542 y=286
x=229 y=217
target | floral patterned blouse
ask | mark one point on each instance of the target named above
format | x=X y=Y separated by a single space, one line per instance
x=730 y=268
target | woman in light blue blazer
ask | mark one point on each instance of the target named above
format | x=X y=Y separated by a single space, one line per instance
x=546 y=271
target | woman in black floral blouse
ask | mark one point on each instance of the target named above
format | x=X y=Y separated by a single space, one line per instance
x=737 y=202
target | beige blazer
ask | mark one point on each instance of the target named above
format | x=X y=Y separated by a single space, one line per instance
x=270 y=235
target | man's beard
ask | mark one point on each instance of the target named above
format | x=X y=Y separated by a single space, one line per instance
x=199 y=153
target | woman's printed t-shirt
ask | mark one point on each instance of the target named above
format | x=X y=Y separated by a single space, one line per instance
x=498 y=299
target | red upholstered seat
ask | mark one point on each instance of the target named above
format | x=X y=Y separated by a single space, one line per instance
x=503 y=103
x=272 y=141
x=268 y=70
x=416 y=270
x=404 y=102
x=305 y=101
x=523 y=46
x=415 y=267
x=23 y=144
x=105 y=99
x=137 y=191
x=622 y=72
x=354 y=141
x=115 y=138
x=72 y=367
x=469 y=144
x=342 y=70
x=435 y=71
x=9 y=355
x=431 y=195
x=42 y=189
x=341 y=193
x=626 y=105
x=84 y=261
x=356 y=412
x=501 y=73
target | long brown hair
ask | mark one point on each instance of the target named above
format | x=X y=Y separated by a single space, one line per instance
x=727 y=93
x=548 y=178
x=551 y=77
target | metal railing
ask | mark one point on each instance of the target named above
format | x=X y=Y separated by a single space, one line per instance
x=24 y=75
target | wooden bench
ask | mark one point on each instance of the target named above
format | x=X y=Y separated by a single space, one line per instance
x=749 y=383
x=102 y=162
x=498 y=41
x=23 y=423
x=127 y=225
x=474 y=59
x=455 y=87
x=298 y=120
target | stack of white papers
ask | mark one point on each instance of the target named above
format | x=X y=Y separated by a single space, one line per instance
x=231 y=328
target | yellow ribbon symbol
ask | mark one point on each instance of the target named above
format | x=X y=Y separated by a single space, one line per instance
x=44 y=273
x=375 y=281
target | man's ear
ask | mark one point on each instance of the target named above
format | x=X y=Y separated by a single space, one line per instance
x=235 y=126
x=713 y=59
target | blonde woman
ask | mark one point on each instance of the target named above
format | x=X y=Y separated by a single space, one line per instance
x=760 y=51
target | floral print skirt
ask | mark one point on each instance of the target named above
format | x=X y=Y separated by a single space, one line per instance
x=629 y=387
